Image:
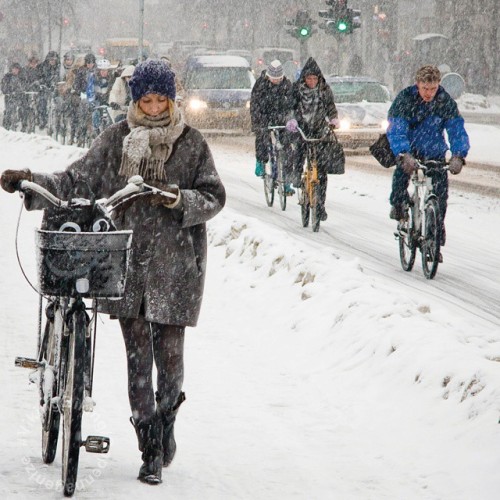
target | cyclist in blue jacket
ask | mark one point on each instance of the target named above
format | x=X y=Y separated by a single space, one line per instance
x=418 y=118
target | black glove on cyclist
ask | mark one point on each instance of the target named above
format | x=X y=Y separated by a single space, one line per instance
x=455 y=165
x=10 y=179
x=408 y=163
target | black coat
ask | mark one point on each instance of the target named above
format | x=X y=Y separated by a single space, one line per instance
x=270 y=103
x=169 y=246
x=326 y=109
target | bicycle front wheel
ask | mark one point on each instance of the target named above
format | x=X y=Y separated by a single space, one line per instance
x=407 y=241
x=315 y=209
x=304 y=205
x=73 y=402
x=49 y=376
x=431 y=239
x=281 y=181
x=269 y=188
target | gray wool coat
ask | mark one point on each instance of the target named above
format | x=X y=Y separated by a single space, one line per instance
x=169 y=246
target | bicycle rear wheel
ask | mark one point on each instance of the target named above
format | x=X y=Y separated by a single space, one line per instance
x=281 y=180
x=315 y=209
x=269 y=186
x=72 y=403
x=431 y=241
x=407 y=241
x=49 y=384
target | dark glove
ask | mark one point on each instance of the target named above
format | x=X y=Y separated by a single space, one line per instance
x=10 y=179
x=408 y=163
x=115 y=105
x=456 y=164
x=160 y=199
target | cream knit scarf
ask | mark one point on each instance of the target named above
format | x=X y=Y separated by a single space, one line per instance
x=150 y=142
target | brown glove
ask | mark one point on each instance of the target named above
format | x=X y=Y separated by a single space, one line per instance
x=408 y=163
x=159 y=199
x=456 y=164
x=10 y=179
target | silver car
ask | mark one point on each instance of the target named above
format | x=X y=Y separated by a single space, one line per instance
x=362 y=104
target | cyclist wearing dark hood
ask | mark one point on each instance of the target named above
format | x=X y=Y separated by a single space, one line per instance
x=314 y=110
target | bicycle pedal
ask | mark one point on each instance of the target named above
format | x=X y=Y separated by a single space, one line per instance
x=96 y=444
x=27 y=363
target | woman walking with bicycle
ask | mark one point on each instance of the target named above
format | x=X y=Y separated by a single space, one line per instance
x=164 y=287
x=418 y=118
x=314 y=110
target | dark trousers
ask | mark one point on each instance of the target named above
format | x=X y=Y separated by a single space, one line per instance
x=400 y=182
x=323 y=152
x=145 y=343
x=263 y=144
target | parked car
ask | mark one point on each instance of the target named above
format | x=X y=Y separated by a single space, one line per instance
x=362 y=104
x=243 y=53
x=289 y=59
x=218 y=90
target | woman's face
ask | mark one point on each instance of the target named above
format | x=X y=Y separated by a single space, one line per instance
x=153 y=104
x=311 y=81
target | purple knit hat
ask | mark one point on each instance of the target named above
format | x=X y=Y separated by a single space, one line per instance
x=152 y=77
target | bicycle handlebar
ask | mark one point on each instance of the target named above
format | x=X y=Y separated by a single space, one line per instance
x=313 y=139
x=134 y=186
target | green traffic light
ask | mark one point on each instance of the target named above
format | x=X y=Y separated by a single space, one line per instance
x=342 y=26
x=304 y=32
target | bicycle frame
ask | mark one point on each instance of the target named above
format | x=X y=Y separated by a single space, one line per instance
x=310 y=185
x=421 y=228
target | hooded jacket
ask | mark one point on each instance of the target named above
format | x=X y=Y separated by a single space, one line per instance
x=326 y=108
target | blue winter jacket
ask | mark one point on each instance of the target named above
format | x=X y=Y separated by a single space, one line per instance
x=417 y=127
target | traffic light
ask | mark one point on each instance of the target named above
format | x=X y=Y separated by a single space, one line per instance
x=301 y=27
x=339 y=19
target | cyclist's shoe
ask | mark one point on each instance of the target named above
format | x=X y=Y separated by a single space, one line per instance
x=443 y=235
x=322 y=214
x=259 y=169
x=289 y=191
x=397 y=212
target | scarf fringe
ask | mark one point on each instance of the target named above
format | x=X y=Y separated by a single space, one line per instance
x=151 y=169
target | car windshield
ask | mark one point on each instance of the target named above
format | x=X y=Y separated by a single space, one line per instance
x=358 y=92
x=219 y=78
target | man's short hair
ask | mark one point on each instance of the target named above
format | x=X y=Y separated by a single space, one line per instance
x=428 y=74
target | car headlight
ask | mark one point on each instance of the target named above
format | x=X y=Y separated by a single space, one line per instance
x=345 y=124
x=384 y=124
x=197 y=105
x=247 y=105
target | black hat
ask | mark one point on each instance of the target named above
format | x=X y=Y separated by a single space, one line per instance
x=89 y=58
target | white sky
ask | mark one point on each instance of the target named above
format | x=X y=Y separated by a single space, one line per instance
x=319 y=369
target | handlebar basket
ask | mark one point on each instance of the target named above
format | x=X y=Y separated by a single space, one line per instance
x=98 y=261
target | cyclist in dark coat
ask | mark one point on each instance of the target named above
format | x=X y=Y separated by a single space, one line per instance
x=314 y=110
x=49 y=76
x=418 y=118
x=12 y=88
x=270 y=104
x=164 y=286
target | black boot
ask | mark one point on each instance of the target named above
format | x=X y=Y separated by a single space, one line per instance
x=149 y=437
x=168 y=420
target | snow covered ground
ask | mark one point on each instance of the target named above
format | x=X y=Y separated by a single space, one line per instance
x=319 y=370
